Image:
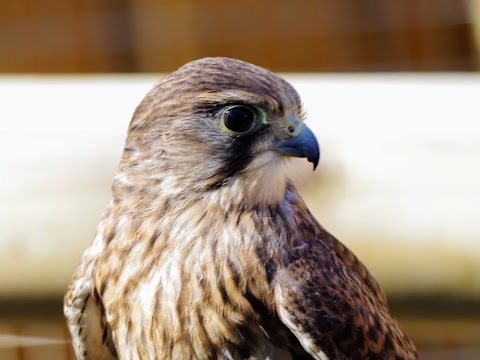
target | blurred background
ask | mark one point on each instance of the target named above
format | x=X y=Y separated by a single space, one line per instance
x=85 y=36
x=391 y=89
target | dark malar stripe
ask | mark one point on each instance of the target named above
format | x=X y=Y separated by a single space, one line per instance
x=236 y=157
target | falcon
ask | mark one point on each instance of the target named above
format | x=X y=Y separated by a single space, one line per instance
x=207 y=251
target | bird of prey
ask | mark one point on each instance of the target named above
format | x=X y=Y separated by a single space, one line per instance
x=207 y=251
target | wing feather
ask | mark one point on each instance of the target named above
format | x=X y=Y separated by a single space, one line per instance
x=334 y=307
x=91 y=334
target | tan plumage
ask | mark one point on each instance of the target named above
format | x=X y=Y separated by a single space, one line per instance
x=206 y=250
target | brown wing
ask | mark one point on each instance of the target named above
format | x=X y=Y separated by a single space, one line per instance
x=329 y=300
x=91 y=334
x=349 y=259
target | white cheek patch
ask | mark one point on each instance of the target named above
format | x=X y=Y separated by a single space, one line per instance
x=266 y=179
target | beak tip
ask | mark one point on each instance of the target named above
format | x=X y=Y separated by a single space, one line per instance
x=314 y=161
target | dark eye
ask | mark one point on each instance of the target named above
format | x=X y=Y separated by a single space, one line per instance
x=239 y=119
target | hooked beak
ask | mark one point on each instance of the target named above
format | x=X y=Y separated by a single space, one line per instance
x=303 y=145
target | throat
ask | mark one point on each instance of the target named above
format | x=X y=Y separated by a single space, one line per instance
x=266 y=192
x=248 y=195
x=258 y=188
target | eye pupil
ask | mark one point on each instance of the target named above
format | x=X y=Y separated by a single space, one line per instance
x=239 y=119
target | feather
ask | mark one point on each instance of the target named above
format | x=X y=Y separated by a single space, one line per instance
x=207 y=251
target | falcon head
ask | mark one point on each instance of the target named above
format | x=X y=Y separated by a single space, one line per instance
x=215 y=125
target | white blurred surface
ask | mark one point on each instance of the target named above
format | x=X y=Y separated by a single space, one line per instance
x=398 y=181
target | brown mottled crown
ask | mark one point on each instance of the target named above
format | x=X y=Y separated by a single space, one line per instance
x=200 y=83
x=214 y=75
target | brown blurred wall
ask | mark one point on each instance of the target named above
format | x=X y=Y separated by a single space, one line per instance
x=55 y=36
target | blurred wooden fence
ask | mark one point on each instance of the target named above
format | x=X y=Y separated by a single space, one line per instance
x=301 y=35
